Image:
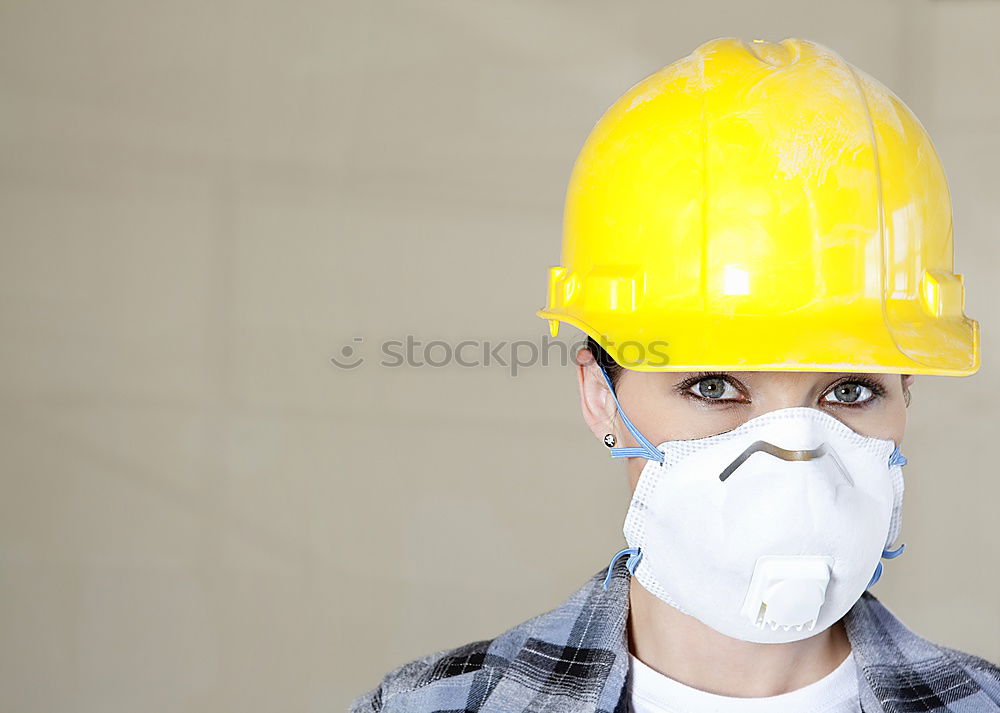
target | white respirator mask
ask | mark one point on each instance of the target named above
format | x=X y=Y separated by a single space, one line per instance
x=769 y=532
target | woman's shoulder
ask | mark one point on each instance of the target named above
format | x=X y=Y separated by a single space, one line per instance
x=567 y=651
x=984 y=670
x=420 y=673
x=898 y=664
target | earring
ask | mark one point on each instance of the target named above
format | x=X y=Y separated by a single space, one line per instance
x=609 y=440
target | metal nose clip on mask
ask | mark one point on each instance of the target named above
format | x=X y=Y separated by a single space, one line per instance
x=769 y=532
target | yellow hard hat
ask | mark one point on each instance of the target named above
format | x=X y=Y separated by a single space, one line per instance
x=763 y=206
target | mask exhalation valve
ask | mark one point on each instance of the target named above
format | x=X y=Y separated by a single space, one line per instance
x=787 y=591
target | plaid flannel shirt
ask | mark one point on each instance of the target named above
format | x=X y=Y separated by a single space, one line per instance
x=574 y=658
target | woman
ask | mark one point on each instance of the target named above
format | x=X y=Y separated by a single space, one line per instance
x=757 y=243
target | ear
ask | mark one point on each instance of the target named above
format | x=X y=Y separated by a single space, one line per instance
x=596 y=402
x=908 y=380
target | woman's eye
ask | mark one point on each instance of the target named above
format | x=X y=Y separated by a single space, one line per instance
x=849 y=392
x=714 y=388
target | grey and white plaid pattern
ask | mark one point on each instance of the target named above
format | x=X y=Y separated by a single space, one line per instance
x=574 y=658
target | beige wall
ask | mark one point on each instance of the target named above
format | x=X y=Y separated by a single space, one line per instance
x=200 y=203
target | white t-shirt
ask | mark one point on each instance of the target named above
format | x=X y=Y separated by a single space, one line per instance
x=652 y=692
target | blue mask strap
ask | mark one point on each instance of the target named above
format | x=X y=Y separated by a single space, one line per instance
x=646 y=450
x=887 y=554
x=634 y=555
x=897 y=458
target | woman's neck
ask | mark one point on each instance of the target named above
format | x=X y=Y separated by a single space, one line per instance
x=683 y=648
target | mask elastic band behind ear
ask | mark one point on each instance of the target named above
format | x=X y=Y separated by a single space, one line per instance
x=634 y=555
x=897 y=458
x=887 y=554
x=646 y=450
